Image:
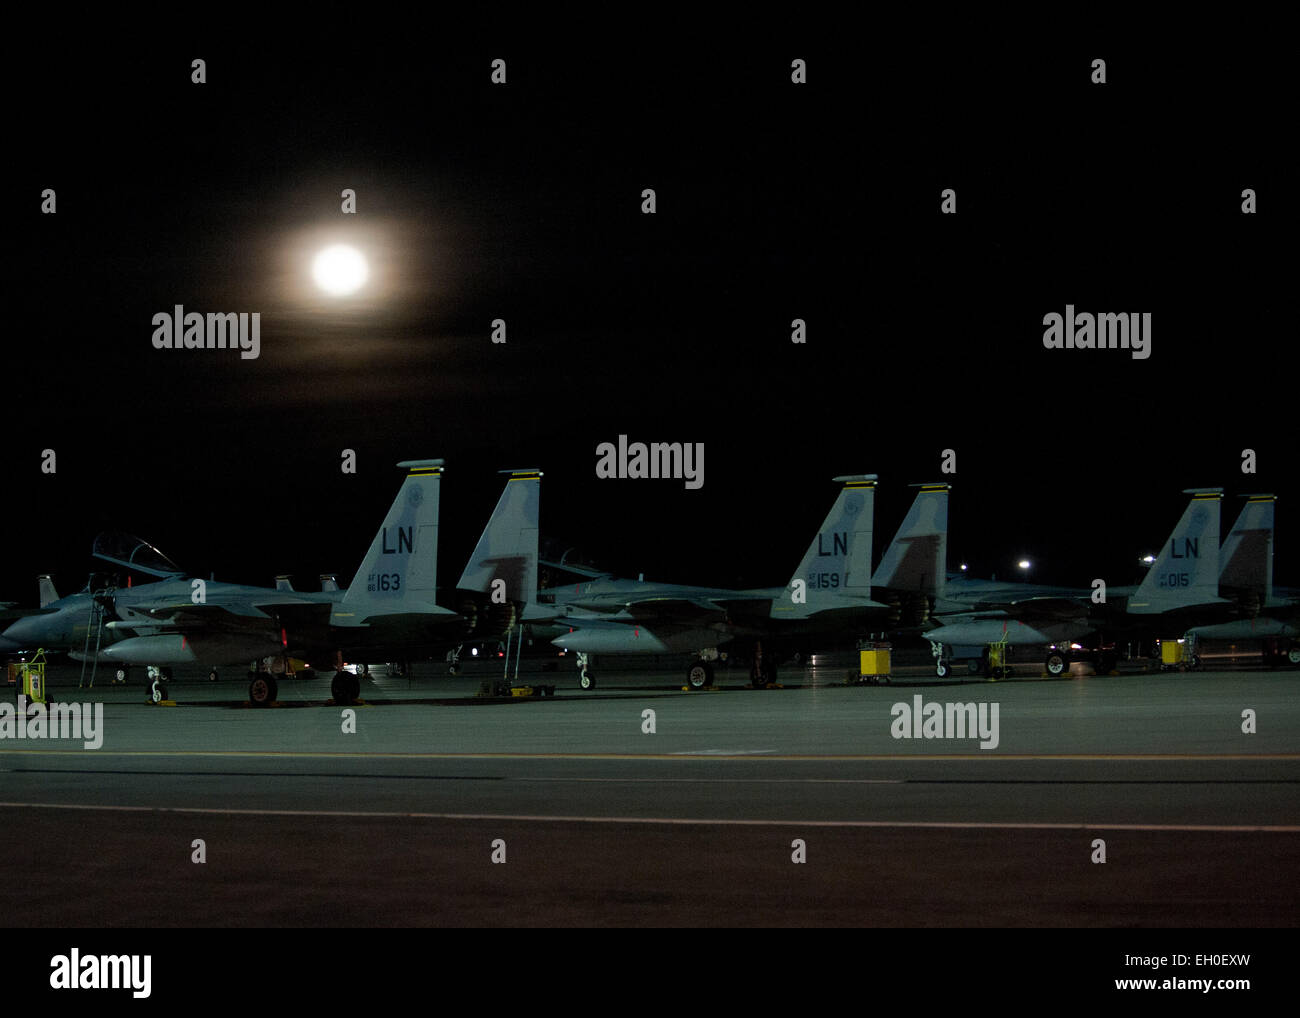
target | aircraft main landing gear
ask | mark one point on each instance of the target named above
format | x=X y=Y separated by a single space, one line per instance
x=699 y=675
x=262 y=689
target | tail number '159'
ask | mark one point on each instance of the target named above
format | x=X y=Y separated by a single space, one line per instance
x=824 y=581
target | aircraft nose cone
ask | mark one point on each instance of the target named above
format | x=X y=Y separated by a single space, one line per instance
x=18 y=636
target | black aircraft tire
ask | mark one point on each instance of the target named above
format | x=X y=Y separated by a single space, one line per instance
x=354 y=688
x=262 y=690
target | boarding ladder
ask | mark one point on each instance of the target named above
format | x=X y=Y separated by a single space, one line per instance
x=95 y=632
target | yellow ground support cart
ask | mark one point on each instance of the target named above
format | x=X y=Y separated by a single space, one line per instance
x=997 y=666
x=29 y=677
x=1173 y=656
x=874 y=662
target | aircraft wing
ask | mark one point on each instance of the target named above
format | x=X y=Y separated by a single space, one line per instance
x=234 y=617
x=1054 y=608
x=675 y=609
x=1041 y=609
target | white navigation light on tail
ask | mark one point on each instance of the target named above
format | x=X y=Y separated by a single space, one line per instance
x=838 y=561
x=401 y=566
x=1186 y=572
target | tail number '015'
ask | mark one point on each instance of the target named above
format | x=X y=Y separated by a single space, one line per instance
x=1175 y=580
x=384 y=581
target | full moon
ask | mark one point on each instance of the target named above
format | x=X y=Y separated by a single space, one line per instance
x=340 y=270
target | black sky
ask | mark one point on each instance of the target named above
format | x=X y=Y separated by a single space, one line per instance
x=775 y=201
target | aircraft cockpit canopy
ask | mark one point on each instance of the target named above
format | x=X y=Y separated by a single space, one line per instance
x=133 y=553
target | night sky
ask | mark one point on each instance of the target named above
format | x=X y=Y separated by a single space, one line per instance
x=522 y=201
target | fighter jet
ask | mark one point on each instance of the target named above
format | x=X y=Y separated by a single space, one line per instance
x=177 y=619
x=830 y=594
x=1181 y=587
x=106 y=622
x=1270 y=616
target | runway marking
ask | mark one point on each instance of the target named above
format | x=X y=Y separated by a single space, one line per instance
x=680 y=757
x=673 y=821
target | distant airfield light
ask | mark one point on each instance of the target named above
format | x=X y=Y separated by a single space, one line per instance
x=1023 y=563
x=340 y=270
x=1147 y=559
x=963 y=567
x=474 y=651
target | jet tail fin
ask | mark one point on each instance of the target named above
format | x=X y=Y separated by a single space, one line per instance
x=329 y=582
x=46 y=587
x=838 y=562
x=402 y=563
x=1246 y=558
x=917 y=558
x=284 y=583
x=507 y=550
x=1186 y=572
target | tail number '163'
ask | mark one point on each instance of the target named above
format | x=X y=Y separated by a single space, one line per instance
x=384 y=581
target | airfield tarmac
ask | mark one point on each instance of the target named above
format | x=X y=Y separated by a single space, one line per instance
x=698 y=823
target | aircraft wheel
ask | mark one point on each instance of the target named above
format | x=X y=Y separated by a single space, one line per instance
x=212 y=675
x=942 y=668
x=262 y=690
x=586 y=680
x=1056 y=663
x=973 y=666
x=122 y=674
x=156 y=691
x=363 y=669
x=699 y=675
x=354 y=687
x=1293 y=654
